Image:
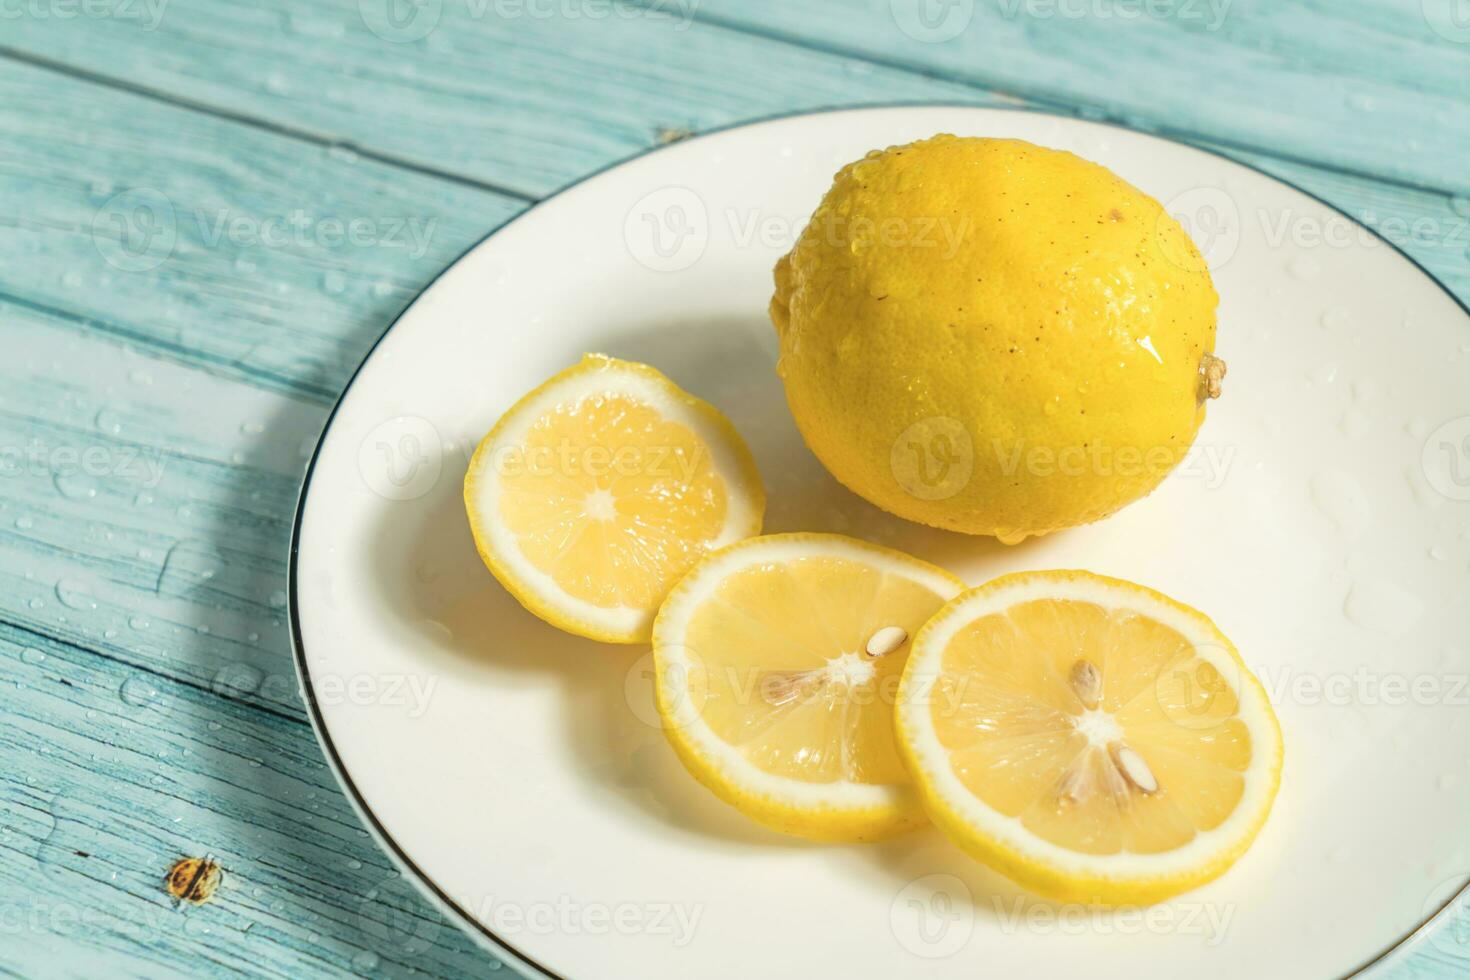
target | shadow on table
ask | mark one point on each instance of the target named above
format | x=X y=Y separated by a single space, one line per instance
x=301 y=872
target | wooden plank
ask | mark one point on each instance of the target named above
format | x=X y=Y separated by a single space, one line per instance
x=113 y=774
x=511 y=97
x=146 y=507
x=298 y=317
x=250 y=253
x=709 y=87
x=1365 y=85
x=1371 y=86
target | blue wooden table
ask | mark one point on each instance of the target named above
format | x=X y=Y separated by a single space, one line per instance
x=209 y=210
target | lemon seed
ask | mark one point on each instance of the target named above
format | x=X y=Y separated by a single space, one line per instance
x=1087 y=683
x=1137 y=772
x=886 y=640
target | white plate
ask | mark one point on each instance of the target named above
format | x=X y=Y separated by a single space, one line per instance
x=514 y=772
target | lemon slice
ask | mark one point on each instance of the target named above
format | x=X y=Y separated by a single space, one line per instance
x=1090 y=738
x=597 y=491
x=777 y=663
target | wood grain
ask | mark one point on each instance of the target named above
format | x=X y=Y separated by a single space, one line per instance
x=250 y=253
x=140 y=528
x=1363 y=85
x=121 y=773
x=169 y=379
x=1370 y=86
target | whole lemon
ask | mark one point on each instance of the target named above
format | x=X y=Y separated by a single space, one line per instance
x=993 y=337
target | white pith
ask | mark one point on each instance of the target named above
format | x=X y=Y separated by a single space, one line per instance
x=674 y=663
x=1100 y=728
x=849 y=669
x=933 y=761
x=741 y=518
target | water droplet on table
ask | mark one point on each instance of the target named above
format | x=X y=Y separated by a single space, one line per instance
x=365 y=961
x=195 y=926
x=32 y=656
x=188 y=566
x=140 y=692
x=75 y=486
x=238 y=680
x=107 y=420
x=75 y=594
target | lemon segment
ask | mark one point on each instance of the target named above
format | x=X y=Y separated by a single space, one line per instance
x=777 y=663
x=597 y=491
x=1090 y=738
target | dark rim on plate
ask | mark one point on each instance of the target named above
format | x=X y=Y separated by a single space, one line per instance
x=426 y=884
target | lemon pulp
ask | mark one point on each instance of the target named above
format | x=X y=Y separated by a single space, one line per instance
x=778 y=666
x=621 y=507
x=1027 y=744
x=594 y=493
x=1090 y=738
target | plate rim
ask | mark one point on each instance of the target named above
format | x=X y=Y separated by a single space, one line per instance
x=484 y=937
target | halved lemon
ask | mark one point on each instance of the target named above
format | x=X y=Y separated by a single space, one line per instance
x=597 y=491
x=777 y=663
x=1091 y=739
